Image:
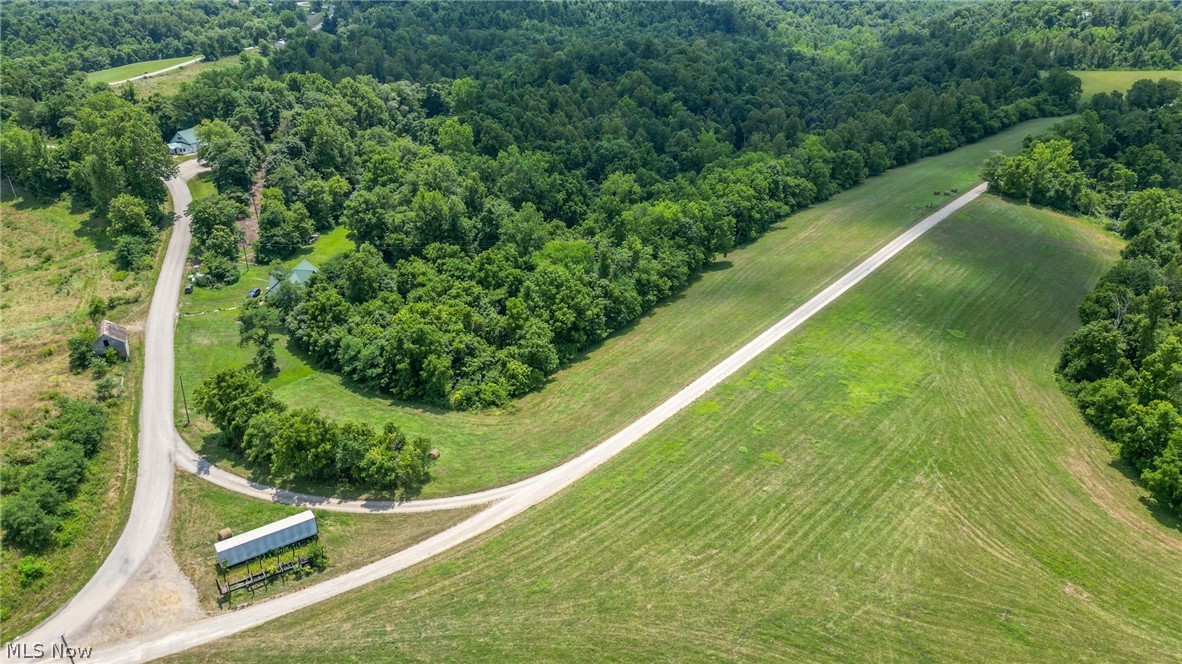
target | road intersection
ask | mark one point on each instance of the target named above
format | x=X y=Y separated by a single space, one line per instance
x=160 y=447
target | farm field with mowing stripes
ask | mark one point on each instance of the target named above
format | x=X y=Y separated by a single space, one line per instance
x=899 y=479
x=134 y=69
x=635 y=370
x=1122 y=80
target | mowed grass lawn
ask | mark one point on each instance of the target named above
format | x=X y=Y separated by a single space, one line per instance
x=900 y=479
x=134 y=69
x=202 y=185
x=636 y=369
x=1109 y=80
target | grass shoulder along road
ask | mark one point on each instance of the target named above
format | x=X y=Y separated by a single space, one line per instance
x=1109 y=80
x=739 y=297
x=201 y=186
x=899 y=479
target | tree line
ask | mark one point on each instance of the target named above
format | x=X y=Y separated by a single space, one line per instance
x=514 y=206
x=1121 y=159
x=300 y=442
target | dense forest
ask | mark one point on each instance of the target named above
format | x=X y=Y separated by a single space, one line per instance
x=1122 y=159
x=517 y=202
x=524 y=179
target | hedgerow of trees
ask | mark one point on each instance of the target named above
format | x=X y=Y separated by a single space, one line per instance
x=300 y=442
x=38 y=491
x=1122 y=159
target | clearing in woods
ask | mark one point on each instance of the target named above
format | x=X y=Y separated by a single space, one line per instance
x=900 y=476
x=1109 y=80
x=739 y=297
x=134 y=69
x=169 y=83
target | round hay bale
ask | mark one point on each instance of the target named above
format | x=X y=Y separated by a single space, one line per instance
x=224 y=534
x=434 y=453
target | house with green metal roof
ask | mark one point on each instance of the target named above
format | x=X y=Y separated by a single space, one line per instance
x=184 y=142
x=298 y=275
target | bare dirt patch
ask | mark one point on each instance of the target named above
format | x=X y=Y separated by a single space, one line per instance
x=161 y=597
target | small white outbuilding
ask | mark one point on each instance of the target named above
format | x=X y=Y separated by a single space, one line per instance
x=111 y=335
x=254 y=543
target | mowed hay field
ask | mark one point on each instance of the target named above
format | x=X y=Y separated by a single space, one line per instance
x=630 y=373
x=169 y=83
x=898 y=480
x=1122 y=80
x=134 y=69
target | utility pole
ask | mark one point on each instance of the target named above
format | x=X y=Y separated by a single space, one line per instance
x=184 y=399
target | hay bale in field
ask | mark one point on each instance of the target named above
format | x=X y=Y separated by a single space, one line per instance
x=434 y=453
x=225 y=534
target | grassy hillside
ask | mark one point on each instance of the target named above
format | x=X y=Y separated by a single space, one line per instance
x=134 y=69
x=899 y=480
x=54 y=261
x=742 y=295
x=1109 y=80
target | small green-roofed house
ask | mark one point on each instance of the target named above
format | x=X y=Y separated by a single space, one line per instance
x=184 y=141
x=299 y=274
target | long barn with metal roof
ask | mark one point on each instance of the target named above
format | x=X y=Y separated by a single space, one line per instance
x=254 y=543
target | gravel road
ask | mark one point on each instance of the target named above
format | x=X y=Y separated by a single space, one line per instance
x=526 y=494
x=152 y=502
x=186 y=63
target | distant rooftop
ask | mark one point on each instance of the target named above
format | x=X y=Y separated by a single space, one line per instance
x=186 y=136
x=109 y=329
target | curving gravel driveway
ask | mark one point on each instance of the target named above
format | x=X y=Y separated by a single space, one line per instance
x=515 y=499
x=152 y=503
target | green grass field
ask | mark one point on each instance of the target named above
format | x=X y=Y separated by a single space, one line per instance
x=54 y=258
x=201 y=186
x=351 y=540
x=1109 y=80
x=169 y=83
x=899 y=480
x=738 y=298
x=134 y=69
